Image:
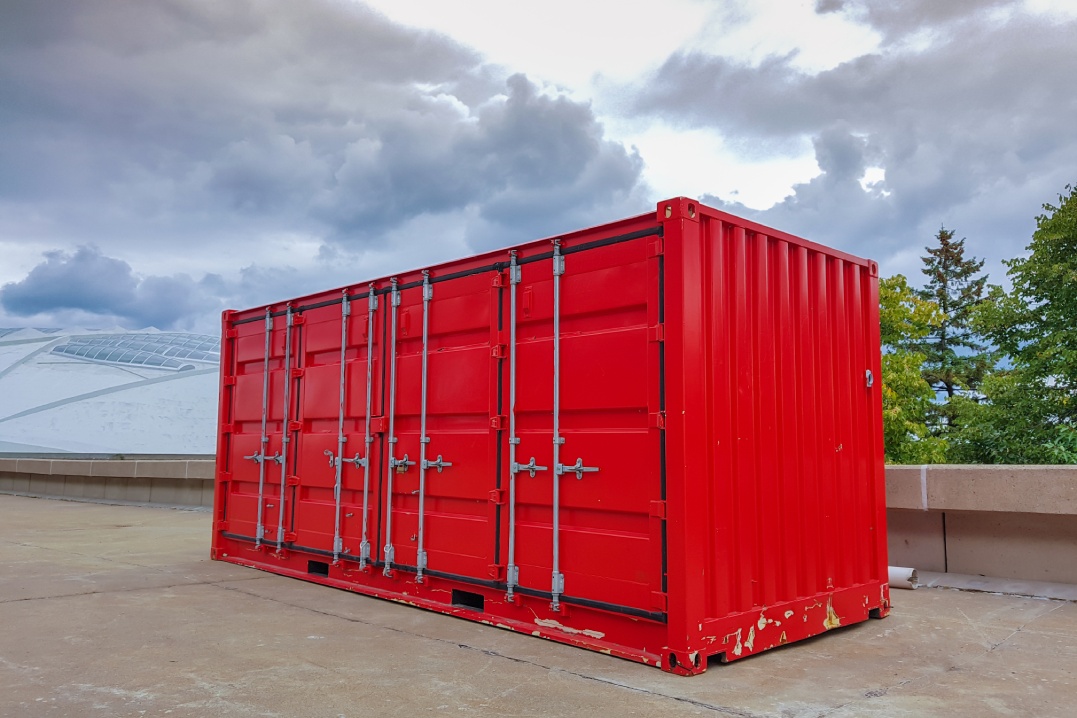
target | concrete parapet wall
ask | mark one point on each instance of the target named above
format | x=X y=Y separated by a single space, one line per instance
x=165 y=482
x=1016 y=522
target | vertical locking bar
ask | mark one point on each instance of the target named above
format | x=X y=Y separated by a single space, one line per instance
x=557 y=584
x=345 y=312
x=512 y=577
x=395 y=303
x=285 y=438
x=372 y=304
x=265 y=437
x=420 y=556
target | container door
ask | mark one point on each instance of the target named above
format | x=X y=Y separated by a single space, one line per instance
x=260 y=460
x=333 y=471
x=588 y=507
x=444 y=458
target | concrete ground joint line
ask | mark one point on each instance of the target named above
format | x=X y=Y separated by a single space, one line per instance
x=1024 y=625
x=490 y=652
x=129 y=589
x=83 y=555
x=680 y=699
x=956 y=666
x=965 y=589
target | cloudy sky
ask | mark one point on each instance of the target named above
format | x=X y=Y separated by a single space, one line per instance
x=162 y=161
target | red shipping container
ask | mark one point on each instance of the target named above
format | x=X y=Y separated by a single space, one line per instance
x=660 y=438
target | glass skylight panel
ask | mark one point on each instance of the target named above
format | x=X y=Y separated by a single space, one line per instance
x=163 y=350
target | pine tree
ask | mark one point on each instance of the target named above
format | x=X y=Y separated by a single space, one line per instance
x=955 y=358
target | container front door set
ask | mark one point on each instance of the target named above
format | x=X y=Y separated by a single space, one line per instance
x=387 y=515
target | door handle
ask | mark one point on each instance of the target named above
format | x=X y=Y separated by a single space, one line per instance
x=529 y=467
x=438 y=464
x=578 y=468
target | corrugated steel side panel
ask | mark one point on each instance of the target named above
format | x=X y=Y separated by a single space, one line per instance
x=794 y=480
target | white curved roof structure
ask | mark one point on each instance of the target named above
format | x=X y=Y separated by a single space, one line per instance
x=145 y=392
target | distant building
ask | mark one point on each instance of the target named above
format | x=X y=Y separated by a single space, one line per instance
x=111 y=392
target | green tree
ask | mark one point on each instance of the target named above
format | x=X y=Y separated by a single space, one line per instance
x=955 y=357
x=905 y=320
x=1029 y=412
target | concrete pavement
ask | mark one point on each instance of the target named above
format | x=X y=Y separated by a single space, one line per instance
x=118 y=611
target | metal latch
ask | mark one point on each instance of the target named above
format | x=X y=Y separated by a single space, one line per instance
x=529 y=467
x=578 y=468
x=259 y=458
x=401 y=465
x=438 y=464
x=335 y=461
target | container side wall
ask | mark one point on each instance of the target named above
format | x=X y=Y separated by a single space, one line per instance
x=794 y=479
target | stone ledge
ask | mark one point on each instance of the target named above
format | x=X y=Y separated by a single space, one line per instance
x=196 y=469
x=995 y=489
x=184 y=483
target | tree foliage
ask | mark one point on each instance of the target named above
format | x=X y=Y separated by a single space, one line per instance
x=1029 y=412
x=905 y=319
x=955 y=356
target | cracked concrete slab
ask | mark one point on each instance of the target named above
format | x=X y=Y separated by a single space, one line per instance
x=117 y=611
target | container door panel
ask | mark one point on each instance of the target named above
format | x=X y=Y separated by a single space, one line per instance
x=402 y=526
x=609 y=548
x=256 y=465
x=442 y=511
x=462 y=395
x=317 y=514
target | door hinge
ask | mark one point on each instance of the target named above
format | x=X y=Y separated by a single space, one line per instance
x=229 y=381
x=658 y=419
x=659 y=601
x=292 y=481
x=295 y=426
x=290 y=537
x=496 y=572
x=499 y=351
x=497 y=422
x=221 y=526
x=658 y=509
x=379 y=424
x=298 y=373
x=497 y=496
x=656 y=247
x=298 y=320
x=228 y=428
x=657 y=333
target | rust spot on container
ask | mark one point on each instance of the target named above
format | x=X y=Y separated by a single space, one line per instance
x=832 y=619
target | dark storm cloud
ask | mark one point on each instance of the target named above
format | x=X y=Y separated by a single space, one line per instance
x=322 y=116
x=897 y=18
x=972 y=123
x=203 y=124
x=90 y=283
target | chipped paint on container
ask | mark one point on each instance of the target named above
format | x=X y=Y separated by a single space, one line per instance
x=649 y=438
